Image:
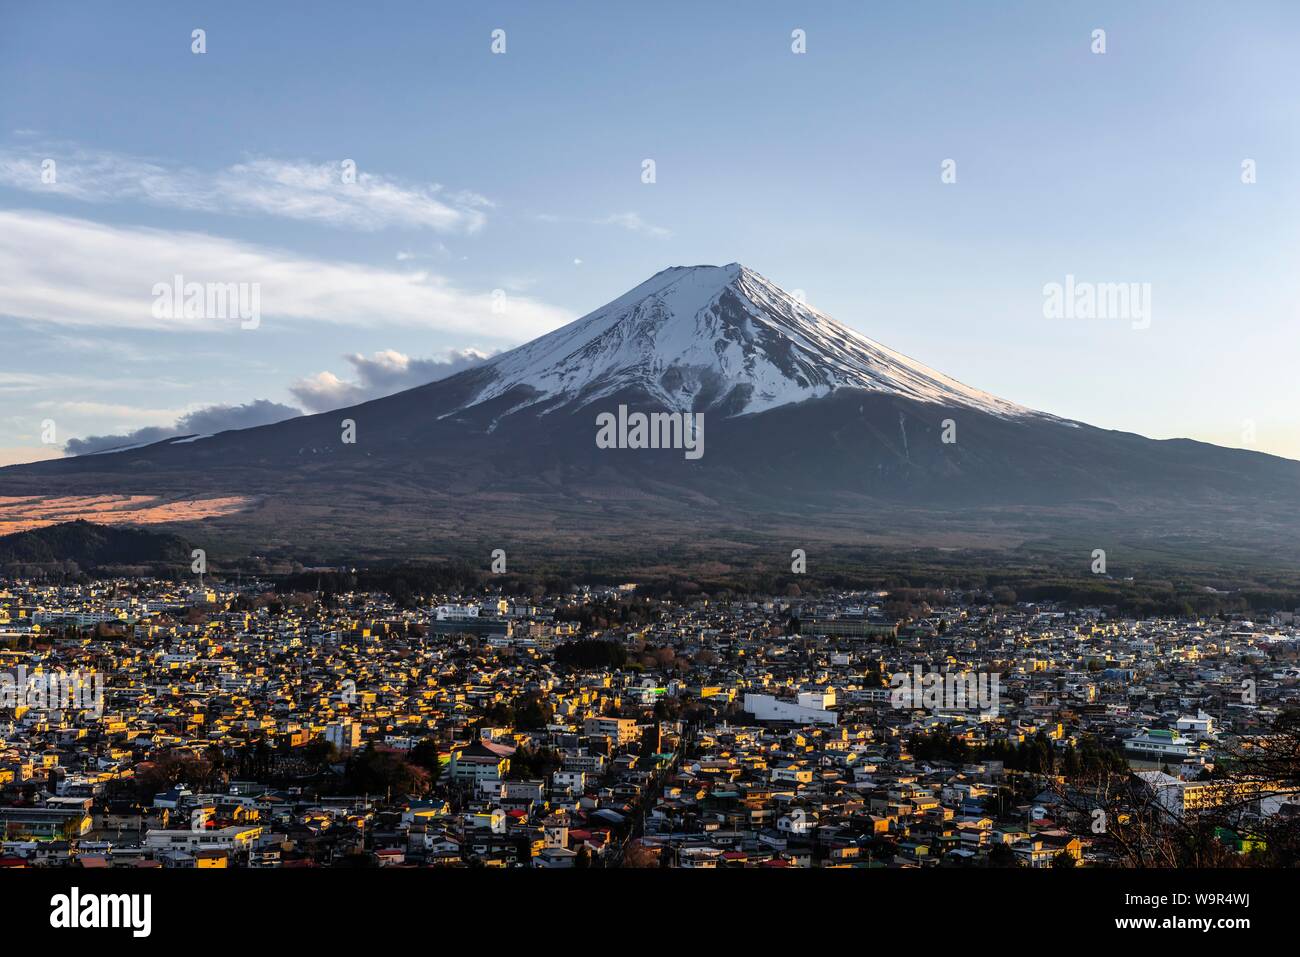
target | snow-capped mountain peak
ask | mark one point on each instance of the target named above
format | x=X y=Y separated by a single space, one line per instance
x=694 y=337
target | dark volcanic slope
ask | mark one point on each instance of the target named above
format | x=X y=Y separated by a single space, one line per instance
x=505 y=456
x=853 y=467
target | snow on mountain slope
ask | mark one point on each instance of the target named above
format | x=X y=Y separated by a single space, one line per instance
x=693 y=335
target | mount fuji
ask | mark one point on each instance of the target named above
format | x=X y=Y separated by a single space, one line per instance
x=816 y=437
x=718 y=337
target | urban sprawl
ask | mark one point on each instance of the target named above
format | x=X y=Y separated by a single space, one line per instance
x=146 y=724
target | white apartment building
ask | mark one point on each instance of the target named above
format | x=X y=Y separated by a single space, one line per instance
x=233 y=838
x=344 y=735
x=807 y=708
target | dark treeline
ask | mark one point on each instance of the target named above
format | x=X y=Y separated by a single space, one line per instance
x=1035 y=755
x=409 y=584
x=81 y=551
x=1144 y=600
x=89 y=545
x=610 y=613
x=591 y=654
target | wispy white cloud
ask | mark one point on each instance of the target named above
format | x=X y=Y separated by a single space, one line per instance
x=379 y=374
x=13 y=382
x=74 y=272
x=437 y=251
x=632 y=222
x=329 y=192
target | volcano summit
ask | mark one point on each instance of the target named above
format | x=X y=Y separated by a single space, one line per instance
x=723 y=337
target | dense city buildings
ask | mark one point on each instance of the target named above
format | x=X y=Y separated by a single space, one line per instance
x=149 y=724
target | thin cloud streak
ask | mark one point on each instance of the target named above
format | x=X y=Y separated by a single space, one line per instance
x=290 y=189
x=74 y=272
x=631 y=221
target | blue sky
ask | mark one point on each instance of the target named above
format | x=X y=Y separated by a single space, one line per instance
x=521 y=172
